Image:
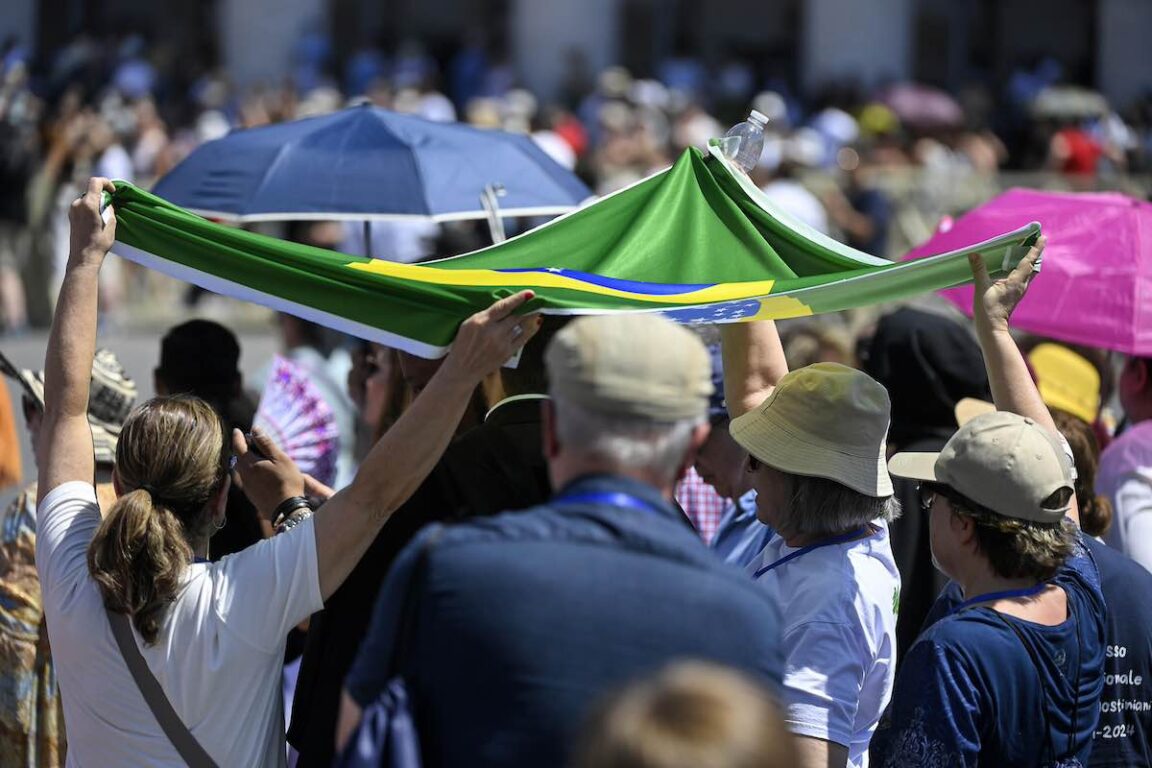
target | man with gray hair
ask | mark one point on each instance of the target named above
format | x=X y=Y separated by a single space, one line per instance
x=506 y=631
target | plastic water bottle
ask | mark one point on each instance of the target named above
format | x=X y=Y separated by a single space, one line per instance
x=745 y=141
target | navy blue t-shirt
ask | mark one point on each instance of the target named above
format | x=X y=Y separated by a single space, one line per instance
x=971 y=693
x=1123 y=737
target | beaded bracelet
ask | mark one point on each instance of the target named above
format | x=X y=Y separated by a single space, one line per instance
x=294 y=518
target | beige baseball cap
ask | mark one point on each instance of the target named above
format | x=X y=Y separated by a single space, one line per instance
x=1002 y=461
x=823 y=420
x=631 y=365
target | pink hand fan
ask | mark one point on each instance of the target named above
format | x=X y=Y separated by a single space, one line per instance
x=294 y=414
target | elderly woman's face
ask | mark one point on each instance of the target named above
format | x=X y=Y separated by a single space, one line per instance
x=772 y=491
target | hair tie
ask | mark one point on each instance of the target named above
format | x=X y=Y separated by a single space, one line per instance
x=147 y=489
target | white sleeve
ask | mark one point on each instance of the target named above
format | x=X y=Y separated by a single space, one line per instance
x=1133 y=514
x=823 y=676
x=66 y=520
x=270 y=587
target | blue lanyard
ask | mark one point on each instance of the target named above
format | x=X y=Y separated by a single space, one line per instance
x=610 y=499
x=1005 y=594
x=841 y=539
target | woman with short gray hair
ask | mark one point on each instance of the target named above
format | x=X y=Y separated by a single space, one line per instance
x=815 y=439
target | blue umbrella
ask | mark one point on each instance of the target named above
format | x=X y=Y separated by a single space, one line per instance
x=366 y=163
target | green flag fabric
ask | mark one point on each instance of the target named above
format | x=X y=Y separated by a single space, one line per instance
x=697 y=242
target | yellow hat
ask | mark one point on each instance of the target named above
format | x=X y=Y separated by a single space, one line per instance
x=1066 y=380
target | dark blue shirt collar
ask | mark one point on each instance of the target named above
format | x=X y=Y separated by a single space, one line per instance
x=606 y=483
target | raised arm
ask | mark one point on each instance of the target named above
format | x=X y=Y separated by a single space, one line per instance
x=753 y=364
x=347 y=524
x=1008 y=376
x=65 y=449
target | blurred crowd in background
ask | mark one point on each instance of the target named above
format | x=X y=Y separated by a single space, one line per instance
x=879 y=169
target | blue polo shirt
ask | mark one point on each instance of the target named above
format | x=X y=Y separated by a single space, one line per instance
x=525 y=621
x=740 y=536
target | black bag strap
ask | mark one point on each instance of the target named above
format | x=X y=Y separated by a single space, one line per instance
x=182 y=739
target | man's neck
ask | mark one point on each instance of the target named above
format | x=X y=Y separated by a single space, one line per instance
x=564 y=472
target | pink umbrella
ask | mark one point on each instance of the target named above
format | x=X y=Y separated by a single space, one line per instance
x=1095 y=287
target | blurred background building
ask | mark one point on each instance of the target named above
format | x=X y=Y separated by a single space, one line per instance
x=949 y=43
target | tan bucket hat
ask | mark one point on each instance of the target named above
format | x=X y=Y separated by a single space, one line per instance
x=1002 y=461
x=823 y=420
x=110 y=399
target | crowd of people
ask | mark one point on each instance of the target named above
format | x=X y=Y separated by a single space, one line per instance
x=119 y=107
x=643 y=546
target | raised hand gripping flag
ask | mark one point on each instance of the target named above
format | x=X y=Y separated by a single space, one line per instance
x=697 y=242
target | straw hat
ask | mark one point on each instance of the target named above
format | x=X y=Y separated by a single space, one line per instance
x=110 y=399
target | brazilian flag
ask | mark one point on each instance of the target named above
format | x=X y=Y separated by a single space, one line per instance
x=697 y=243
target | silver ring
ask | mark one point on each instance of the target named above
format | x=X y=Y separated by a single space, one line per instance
x=517 y=331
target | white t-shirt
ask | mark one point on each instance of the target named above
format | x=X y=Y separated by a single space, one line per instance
x=1125 y=477
x=839 y=608
x=218 y=656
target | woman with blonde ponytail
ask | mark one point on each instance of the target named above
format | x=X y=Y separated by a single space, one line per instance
x=211 y=635
x=172 y=495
